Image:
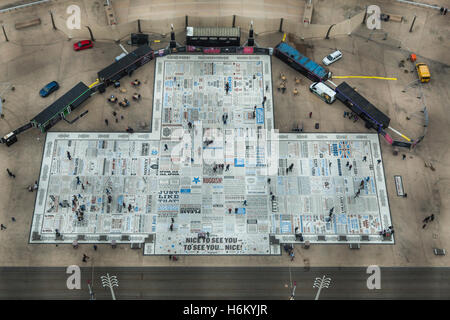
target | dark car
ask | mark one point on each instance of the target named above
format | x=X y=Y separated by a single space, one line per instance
x=83 y=44
x=49 y=88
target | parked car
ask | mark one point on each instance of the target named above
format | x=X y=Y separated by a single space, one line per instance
x=332 y=57
x=83 y=44
x=48 y=89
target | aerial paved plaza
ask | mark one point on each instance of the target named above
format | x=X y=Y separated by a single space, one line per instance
x=232 y=196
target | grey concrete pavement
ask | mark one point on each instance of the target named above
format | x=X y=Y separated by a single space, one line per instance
x=51 y=57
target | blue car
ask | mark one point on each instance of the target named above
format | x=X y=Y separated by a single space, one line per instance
x=49 y=88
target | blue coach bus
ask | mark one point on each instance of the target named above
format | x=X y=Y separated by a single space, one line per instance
x=302 y=64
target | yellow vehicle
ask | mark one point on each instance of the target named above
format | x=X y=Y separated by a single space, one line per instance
x=423 y=72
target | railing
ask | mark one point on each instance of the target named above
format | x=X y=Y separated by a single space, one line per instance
x=23 y=6
x=163 y=26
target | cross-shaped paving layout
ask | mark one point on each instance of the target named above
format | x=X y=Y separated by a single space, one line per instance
x=212 y=177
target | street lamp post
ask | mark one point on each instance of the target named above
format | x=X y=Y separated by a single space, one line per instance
x=293 y=291
x=321 y=283
x=110 y=282
x=91 y=293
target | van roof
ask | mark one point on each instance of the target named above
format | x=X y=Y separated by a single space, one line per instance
x=322 y=86
x=423 y=69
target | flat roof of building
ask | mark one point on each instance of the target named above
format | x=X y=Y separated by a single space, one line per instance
x=349 y=93
x=71 y=97
x=214 y=32
x=111 y=70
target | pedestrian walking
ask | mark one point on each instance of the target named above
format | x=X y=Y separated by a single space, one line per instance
x=30 y=188
x=268 y=180
x=78 y=180
x=82 y=187
x=348 y=163
x=13 y=219
x=426 y=219
x=331 y=212
x=227 y=168
x=350 y=168
x=378 y=161
x=166 y=147
x=68 y=155
x=10 y=173
x=292 y=255
x=106 y=122
x=95 y=247
x=404 y=157
x=35 y=187
x=129 y=207
x=310 y=115
x=75 y=244
x=364 y=158
x=264 y=100
x=432 y=217
x=2 y=226
x=423 y=227
x=245 y=202
x=85 y=257
x=170 y=257
x=405 y=195
x=171 y=227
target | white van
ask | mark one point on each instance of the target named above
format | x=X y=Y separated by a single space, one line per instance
x=323 y=91
x=332 y=57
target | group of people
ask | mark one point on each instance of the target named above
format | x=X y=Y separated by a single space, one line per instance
x=31 y=188
x=225 y=118
x=207 y=142
x=351 y=116
x=290 y=251
x=290 y=168
x=426 y=220
x=125 y=103
x=80 y=210
x=387 y=232
x=220 y=167
x=282 y=85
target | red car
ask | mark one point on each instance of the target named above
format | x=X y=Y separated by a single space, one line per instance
x=83 y=44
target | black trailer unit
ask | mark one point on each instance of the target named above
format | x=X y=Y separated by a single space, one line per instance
x=59 y=109
x=213 y=37
x=124 y=66
x=373 y=117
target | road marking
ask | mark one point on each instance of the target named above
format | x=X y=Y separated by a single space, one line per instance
x=363 y=77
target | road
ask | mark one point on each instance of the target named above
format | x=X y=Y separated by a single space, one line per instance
x=249 y=283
